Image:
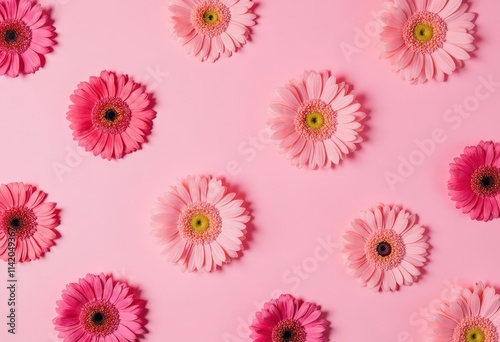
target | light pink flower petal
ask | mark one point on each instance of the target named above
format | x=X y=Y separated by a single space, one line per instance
x=395 y=228
x=219 y=243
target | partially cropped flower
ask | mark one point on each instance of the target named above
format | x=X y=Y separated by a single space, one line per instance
x=472 y=317
x=288 y=319
x=111 y=115
x=385 y=247
x=475 y=181
x=99 y=308
x=316 y=120
x=200 y=224
x=26 y=35
x=26 y=217
x=209 y=29
x=426 y=39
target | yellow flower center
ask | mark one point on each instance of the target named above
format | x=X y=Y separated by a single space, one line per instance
x=315 y=120
x=211 y=17
x=200 y=223
x=475 y=335
x=423 y=33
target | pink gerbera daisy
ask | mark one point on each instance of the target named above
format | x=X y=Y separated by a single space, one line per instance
x=111 y=115
x=287 y=319
x=475 y=181
x=472 y=317
x=28 y=219
x=200 y=224
x=316 y=120
x=26 y=35
x=426 y=39
x=98 y=308
x=384 y=248
x=212 y=28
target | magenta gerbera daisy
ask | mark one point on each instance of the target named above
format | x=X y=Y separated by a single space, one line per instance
x=99 y=308
x=475 y=181
x=26 y=35
x=200 y=224
x=28 y=219
x=385 y=247
x=111 y=115
x=212 y=28
x=316 y=120
x=288 y=319
x=474 y=316
x=426 y=39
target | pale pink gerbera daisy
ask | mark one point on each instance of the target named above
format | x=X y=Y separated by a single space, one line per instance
x=27 y=219
x=26 y=35
x=475 y=181
x=287 y=319
x=384 y=248
x=99 y=309
x=212 y=28
x=111 y=115
x=316 y=120
x=472 y=317
x=426 y=39
x=200 y=224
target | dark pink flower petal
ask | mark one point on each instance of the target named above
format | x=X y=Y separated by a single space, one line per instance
x=25 y=36
x=111 y=115
x=88 y=313
x=32 y=222
x=474 y=182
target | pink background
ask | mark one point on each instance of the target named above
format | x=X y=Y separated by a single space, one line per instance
x=209 y=120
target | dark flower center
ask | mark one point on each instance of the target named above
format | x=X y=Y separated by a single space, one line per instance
x=289 y=331
x=18 y=221
x=15 y=36
x=111 y=114
x=15 y=223
x=98 y=318
x=384 y=249
x=11 y=36
x=487 y=181
x=287 y=335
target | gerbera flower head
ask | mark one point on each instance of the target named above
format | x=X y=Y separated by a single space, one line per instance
x=26 y=216
x=212 y=28
x=26 y=35
x=472 y=317
x=111 y=115
x=426 y=39
x=474 y=183
x=98 y=308
x=316 y=121
x=200 y=224
x=385 y=247
x=288 y=319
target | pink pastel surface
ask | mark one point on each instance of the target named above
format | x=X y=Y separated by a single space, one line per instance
x=209 y=120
